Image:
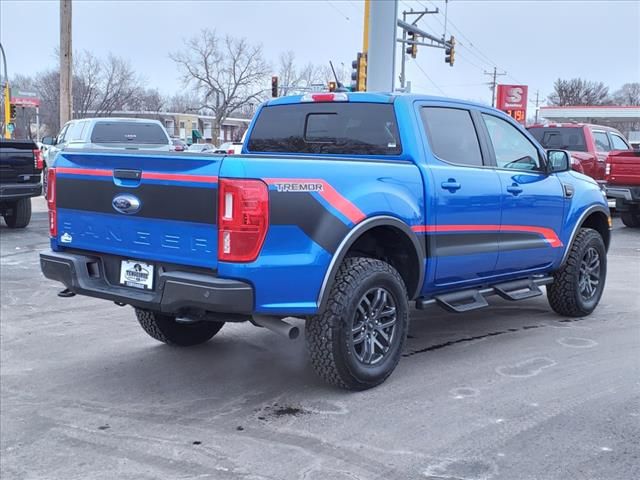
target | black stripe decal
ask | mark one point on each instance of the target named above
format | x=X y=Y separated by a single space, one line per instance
x=308 y=214
x=166 y=202
x=455 y=244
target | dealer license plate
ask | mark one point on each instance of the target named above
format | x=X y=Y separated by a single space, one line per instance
x=136 y=274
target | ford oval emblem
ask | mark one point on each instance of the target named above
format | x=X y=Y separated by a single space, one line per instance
x=127 y=204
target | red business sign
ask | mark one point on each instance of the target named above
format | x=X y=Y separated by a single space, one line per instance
x=512 y=99
x=22 y=98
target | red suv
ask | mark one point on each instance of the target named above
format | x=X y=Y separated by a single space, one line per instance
x=588 y=144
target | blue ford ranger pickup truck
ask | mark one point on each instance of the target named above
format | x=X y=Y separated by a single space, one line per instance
x=342 y=209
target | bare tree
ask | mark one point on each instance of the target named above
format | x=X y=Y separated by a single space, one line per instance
x=185 y=102
x=578 y=91
x=228 y=72
x=628 y=94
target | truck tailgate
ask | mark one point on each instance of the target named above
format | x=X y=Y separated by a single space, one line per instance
x=143 y=206
x=17 y=162
x=624 y=168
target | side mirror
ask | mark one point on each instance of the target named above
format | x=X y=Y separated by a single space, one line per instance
x=48 y=140
x=558 y=161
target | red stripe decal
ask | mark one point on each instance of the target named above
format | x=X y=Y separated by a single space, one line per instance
x=548 y=233
x=94 y=172
x=175 y=177
x=330 y=194
x=178 y=177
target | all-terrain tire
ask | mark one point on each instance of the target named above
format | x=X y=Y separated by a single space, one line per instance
x=329 y=335
x=630 y=219
x=564 y=293
x=166 y=329
x=20 y=215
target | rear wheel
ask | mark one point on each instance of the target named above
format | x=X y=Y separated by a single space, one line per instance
x=578 y=285
x=168 y=329
x=631 y=219
x=357 y=341
x=20 y=214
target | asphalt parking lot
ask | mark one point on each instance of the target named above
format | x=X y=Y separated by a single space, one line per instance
x=509 y=392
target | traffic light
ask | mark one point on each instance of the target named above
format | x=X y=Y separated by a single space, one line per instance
x=332 y=86
x=359 y=73
x=450 y=51
x=412 y=49
x=274 y=86
x=12 y=112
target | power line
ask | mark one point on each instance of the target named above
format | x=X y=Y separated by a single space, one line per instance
x=429 y=78
x=338 y=10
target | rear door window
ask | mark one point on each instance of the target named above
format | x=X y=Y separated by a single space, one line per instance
x=617 y=142
x=602 y=141
x=562 y=138
x=452 y=135
x=129 y=132
x=327 y=128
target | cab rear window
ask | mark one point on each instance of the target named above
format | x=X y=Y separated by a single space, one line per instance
x=327 y=128
x=564 y=138
x=129 y=132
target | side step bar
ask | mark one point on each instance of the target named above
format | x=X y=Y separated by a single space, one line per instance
x=473 y=299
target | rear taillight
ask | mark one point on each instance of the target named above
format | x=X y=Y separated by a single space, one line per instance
x=243 y=219
x=38 y=162
x=230 y=151
x=607 y=169
x=51 y=202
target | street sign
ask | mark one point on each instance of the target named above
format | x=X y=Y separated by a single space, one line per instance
x=23 y=98
x=512 y=99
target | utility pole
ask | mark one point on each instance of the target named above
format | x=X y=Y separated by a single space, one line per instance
x=382 y=20
x=66 y=61
x=365 y=29
x=538 y=102
x=493 y=84
x=403 y=42
x=6 y=97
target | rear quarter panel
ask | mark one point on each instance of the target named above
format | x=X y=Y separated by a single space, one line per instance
x=306 y=227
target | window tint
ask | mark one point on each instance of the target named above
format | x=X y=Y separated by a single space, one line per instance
x=511 y=147
x=129 y=132
x=331 y=128
x=452 y=135
x=561 y=138
x=602 y=141
x=618 y=142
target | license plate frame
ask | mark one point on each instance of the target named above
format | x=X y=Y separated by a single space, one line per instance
x=137 y=274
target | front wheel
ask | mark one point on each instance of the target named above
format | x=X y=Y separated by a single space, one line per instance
x=356 y=342
x=167 y=329
x=578 y=285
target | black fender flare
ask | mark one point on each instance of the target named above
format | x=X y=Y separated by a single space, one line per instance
x=578 y=225
x=353 y=235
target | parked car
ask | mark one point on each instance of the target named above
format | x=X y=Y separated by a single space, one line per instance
x=588 y=144
x=346 y=207
x=623 y=184
x=178 y=145
x=109 y=133
x=201 y=148
x=20 y=179
x=230 y=148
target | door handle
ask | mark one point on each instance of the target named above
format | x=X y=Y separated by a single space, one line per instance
x=514 y=189
x=451 y=185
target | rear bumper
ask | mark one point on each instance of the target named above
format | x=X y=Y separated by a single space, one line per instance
x=174 y=292
x=15 y=191
x=627 y=194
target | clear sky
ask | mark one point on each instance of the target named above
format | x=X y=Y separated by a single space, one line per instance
x=534 y=41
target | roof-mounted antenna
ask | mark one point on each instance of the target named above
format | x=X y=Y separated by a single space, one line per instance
x=339 y=85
